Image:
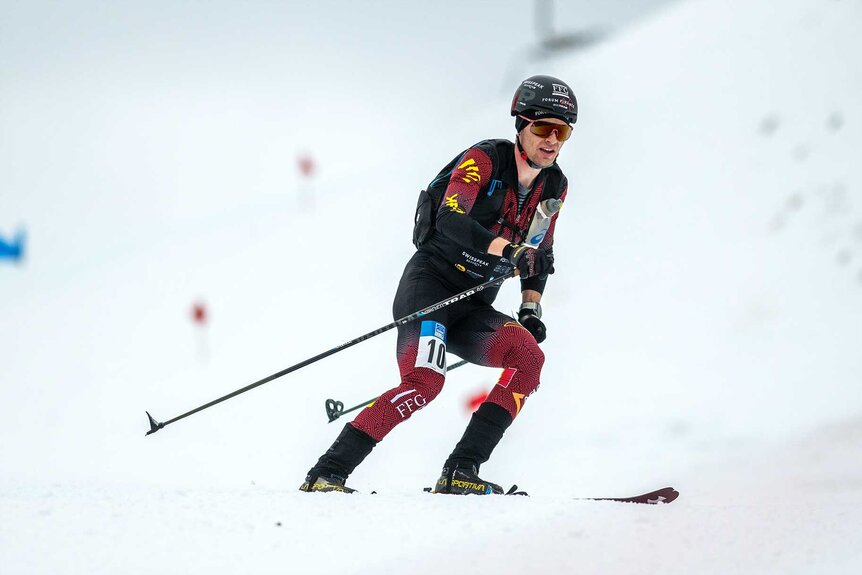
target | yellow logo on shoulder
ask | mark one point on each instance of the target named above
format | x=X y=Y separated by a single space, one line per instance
x=471 y=171
x=452 y=202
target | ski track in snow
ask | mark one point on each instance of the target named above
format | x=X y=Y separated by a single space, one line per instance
x=122 y=528
x=745 y=514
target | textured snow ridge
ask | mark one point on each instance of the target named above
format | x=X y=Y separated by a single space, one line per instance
x=128 y=529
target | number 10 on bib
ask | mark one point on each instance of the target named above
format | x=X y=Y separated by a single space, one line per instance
x=432 y=347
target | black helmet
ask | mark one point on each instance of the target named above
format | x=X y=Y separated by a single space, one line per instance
x=540 y=96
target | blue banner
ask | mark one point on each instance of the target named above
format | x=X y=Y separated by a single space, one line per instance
x=12 y=249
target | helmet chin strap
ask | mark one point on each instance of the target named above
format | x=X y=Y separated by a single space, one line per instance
x=524 y=157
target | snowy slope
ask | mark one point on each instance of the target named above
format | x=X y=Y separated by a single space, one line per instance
x=704 y=330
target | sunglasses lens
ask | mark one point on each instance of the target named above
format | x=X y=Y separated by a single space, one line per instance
x=544 y=129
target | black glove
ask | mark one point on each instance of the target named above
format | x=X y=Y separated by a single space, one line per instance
x=528 y=316
x=529 y=261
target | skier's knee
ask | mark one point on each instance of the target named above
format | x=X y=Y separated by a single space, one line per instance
x=423 y=385
x=525 y=355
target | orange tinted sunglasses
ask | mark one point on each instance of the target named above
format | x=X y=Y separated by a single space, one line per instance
x=544 y=129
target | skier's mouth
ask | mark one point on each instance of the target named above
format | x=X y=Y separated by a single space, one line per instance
x=548 y=151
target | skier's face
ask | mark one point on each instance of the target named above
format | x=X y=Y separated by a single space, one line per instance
x=542 y=150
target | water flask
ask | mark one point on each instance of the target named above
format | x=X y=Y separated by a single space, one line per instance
x=542 y=221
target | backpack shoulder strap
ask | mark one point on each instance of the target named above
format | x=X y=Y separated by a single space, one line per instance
x=554 y=182
x=500 y=151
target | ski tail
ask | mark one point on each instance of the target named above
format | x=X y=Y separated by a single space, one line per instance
x=657 y=497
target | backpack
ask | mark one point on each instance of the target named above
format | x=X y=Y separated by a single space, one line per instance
x=425 y=219
x=424 y=222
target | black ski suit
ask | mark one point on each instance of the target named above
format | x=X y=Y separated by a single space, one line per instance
x=479 y=203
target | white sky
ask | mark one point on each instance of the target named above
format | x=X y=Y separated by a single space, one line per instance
x=393 y=44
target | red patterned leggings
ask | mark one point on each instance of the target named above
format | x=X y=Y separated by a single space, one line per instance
x=474 y=331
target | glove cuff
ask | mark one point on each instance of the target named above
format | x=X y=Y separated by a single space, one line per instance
x=513 y=252
x=532 y=307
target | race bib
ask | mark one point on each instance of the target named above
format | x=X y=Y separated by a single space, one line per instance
x=432 y=347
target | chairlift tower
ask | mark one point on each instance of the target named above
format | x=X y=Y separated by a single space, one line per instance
x=549 y=42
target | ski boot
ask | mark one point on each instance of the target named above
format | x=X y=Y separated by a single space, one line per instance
x=324 y=484
x=465 y=481
x=332 y=469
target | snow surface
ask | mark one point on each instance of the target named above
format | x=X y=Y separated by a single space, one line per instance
x=704 y=326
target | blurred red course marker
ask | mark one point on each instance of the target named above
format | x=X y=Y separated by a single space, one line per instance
x=474 y=401
x=199 y=313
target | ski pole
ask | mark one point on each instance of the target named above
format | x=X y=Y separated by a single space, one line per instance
x=335 y=409
x=156 y=425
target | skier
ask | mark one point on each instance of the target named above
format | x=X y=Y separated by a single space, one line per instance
x=472 y=225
